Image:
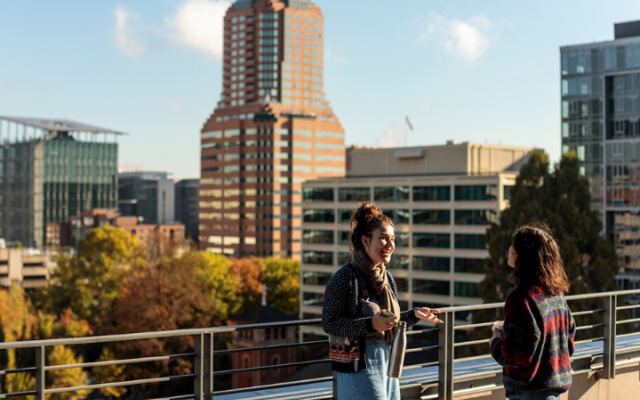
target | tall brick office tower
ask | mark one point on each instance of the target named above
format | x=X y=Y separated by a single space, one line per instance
x=272 y=130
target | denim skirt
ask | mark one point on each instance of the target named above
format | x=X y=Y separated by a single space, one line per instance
x=371 y=383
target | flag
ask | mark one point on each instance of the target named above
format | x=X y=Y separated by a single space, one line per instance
x=408 y=122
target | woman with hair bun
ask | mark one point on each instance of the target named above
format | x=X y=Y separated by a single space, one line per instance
x=355 y=298
x=535 y=342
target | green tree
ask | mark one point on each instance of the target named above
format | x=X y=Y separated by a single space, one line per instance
x=89 y=281
x=282 y=276
x=562 y=200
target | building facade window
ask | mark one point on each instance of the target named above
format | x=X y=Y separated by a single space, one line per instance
x=466 y=289
x=431 y=217
x=430 y=263
x=429 y=286
x=391 y=193
x=399 y=261
x=403 y=284
x=470 y=241
x=344 y=216
x=431 y=193
x=476 y=193
x=398 y=216
x=469 y=265
x=506 y=192
x=354 y=194
x=475 y=217
x=316 y=278
x=432 y=240
x=317 y=257
x=344 y=237
x=326 y=216
x=344 y=257
x=402 y=239
x=317 y=237
x=312 y=299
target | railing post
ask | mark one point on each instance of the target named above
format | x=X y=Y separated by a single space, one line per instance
x=335 y=385
x=445 y=356
x=40 y=357
x=609 y=355
x=198 y=363
x=208 y=366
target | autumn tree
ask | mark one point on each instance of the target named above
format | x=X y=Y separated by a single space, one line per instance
x=88 y=282
x=248 y=274
x=62 y=355
x=282 y=277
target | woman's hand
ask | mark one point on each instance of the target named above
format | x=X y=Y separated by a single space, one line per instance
x=382 y=323
x=428 y=314
x=496 y=328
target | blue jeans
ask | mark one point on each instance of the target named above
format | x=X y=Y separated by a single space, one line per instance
x=371 y=383
x=546 y=395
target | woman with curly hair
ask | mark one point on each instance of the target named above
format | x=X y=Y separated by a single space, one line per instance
x=355 y=299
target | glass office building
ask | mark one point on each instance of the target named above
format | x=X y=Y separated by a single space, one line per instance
x=600 y=84
x=52 y=170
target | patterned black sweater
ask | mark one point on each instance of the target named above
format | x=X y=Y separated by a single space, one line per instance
x=341 y=312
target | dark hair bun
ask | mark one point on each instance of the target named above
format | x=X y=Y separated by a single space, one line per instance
x=367 y=218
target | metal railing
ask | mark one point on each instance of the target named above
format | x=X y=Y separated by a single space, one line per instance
x=204 y=369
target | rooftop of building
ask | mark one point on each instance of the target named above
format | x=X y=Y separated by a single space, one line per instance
x=623 y=32
x=245 y=4
x=59 y=125
x=451 y=158
x=144 y=175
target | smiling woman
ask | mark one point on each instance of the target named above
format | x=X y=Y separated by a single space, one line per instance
x=352 y=311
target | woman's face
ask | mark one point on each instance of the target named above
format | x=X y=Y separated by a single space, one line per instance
x=381 y=244
x=513 y=256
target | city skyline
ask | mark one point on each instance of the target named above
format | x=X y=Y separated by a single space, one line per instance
x=136 y=68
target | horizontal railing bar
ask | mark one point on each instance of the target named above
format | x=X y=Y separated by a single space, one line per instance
x=17 y=370
x=273 y=386
x=471 y=307
x=589 y=341
x=630 y=361
x=115 y=384
x=627 y=321
x=417 y=349
x=627 y=350
x=583 y=327
x=577 y=313
x=482 y=357
x=419 y=366
x=275 y=346
x=17 y=394
x=486 y=341
x=605 y=294
x=628 y=334
x=295 y=364
x=618 y=308
x=117 y=362
x=585 y=356
x=423 y=331
x=182 y=397
x=476 y=375
x=480 y=325
x=152 y=335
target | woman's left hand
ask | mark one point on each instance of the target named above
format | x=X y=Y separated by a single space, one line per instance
x=428 y=314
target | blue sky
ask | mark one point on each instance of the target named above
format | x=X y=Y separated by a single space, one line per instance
x=483 y=71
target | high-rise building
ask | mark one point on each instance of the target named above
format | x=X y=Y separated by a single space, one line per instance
x=51 y=170
x=187 y=199
x=441 y=200
x=149 y=195
x=600 y=107
x=272 y=130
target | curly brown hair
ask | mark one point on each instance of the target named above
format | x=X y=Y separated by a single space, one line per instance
x=539 y=262
x=367 y=218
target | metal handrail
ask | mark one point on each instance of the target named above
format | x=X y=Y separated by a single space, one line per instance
x=204 y=352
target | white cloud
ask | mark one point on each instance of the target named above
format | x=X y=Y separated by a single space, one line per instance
x=125 y=40
x=333 y=58
x=390 y=138
x=199 y=24
x=464 y=39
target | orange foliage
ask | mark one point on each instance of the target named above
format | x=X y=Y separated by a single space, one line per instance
x=249 y=276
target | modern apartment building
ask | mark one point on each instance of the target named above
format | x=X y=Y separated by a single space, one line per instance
x=150 y=195
x=51 y=170
x=271 y=130
x=442 y=200
x=601 y=122
x=28 y=268
x=187 y=199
